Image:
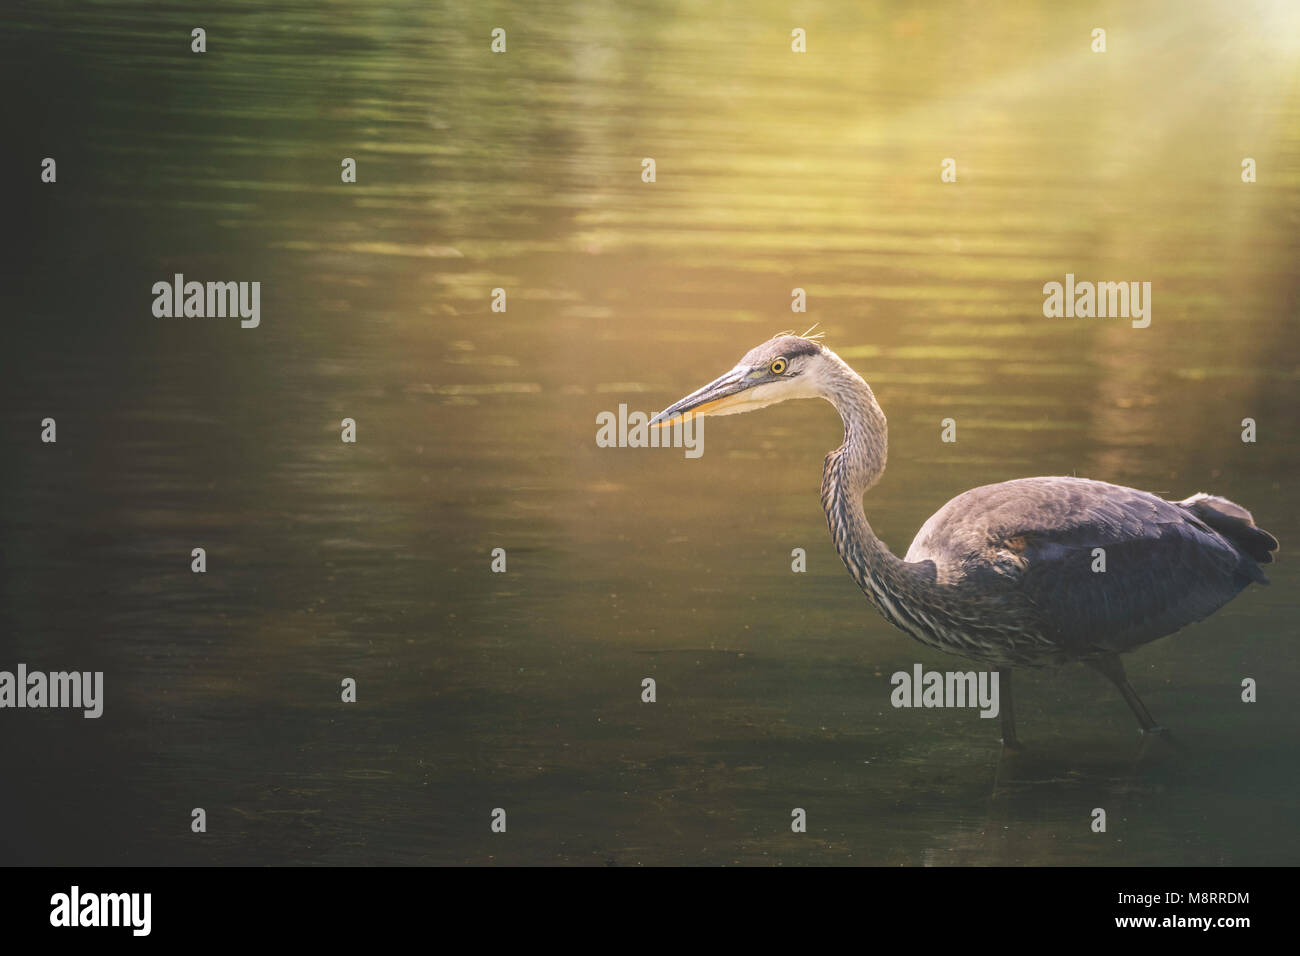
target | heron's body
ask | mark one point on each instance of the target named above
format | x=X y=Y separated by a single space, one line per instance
x=1028 y=572
x=1031 y=551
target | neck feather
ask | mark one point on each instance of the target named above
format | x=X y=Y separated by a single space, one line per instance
x=850 y=470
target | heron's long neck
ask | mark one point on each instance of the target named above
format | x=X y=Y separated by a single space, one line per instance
x=850 y=470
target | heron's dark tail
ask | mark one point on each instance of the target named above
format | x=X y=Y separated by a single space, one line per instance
x=1235 y=523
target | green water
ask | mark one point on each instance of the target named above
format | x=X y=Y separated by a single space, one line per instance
x=476 y=429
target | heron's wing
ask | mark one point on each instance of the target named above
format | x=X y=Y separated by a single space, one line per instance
x=1100 y=566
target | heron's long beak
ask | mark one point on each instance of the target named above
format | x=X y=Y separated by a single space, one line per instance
x=713 y=398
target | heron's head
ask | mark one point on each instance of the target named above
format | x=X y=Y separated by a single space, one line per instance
x=785 y=367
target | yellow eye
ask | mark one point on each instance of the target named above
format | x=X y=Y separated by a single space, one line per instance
x=778 y=366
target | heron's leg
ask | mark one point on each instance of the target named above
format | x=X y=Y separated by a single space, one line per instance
x=1006 y=711
x=1113 y=667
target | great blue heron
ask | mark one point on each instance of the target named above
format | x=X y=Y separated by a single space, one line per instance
x=1003 y=574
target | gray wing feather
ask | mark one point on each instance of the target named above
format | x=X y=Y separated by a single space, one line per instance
x=1031 y=544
